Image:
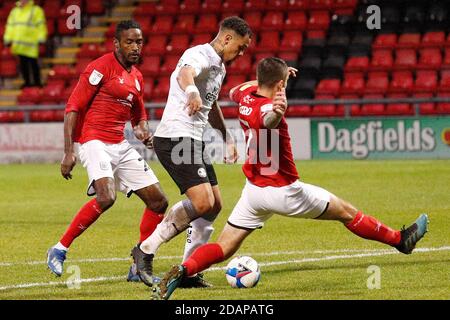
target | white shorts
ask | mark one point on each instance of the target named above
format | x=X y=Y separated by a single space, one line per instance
x=297 y=200
x=118 y=161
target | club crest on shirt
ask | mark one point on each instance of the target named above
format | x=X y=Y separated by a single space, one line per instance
x=95 y=77
x=138 y=86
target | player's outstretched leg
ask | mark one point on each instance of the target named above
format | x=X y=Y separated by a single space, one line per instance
x=411 y=235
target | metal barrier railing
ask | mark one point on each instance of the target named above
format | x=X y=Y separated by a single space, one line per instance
x=291 y=102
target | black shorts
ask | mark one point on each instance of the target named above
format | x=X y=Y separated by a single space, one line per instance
x=185 y=161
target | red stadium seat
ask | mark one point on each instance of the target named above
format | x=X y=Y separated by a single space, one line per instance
x=426 y=81
x=185 y=24
x=12 y=116
x=201 y=38
x=443 y=107
x=258 y=57
x=255 y=5
x=52 y=93
x=354 y=108
x=235 y=6
x=385 y=41
x=169 y=64
x=161 y=90
x=444 y=84
x=399 y=108
x=430 y=58
x=190 y=7
x=382 y=60
x=433 y=39
x=51 y=9
x=426 y=108
x=268 y=41
x=162 y=25
x=31 y=95
x=292 y=41
x=276 y=5
x=288 y=55
x=329 y=87
x=373 y=109
x=377 y=82
x=146 y=24
x=353 y=84
x=405 y=59
x=150 y=66
x=156 y=45
x=254 y=20
x=211 y=7
x=242 y=65
x=51 y=29
x=178 y=44
x=294 y=5
x=167 y=7
x=94 y=7
x=90 y=50
x=206 y=23
x=61 y=71
x=148 y=88
x=357 y=64
x=408 y=41
x=273 y=20
x=296 y=20
x=326 y=110
x=320 y=4
x=146 y=9
x=318 y=20
x=402 y=82
x=8 y=68
x=298 y=111
x=446 y=60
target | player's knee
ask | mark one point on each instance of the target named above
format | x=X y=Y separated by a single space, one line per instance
x=106 y=201
x=204 y=206
x=159 y=206
x=346 y=212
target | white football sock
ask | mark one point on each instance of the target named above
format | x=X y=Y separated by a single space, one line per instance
x=199 y=233
x=59 y=246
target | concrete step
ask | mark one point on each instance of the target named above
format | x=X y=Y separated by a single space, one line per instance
x=80 y=40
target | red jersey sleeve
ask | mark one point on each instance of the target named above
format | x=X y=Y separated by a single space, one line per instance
x=138 y=112
x=241 y=91
x=88 y=85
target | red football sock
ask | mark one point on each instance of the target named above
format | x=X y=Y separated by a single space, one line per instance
x=203 y=257
x=84 y=218
x=150 y=220
x=368 y=227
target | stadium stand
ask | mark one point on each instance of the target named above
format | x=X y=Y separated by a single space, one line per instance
x=328 y=40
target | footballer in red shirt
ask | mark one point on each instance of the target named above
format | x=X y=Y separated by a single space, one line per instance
x=108 y=94
x=272 y=185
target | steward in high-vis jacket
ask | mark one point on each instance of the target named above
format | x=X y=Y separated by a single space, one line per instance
x=26 y=28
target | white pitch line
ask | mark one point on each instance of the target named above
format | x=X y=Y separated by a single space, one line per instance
x=274 y=253
x=263 y=264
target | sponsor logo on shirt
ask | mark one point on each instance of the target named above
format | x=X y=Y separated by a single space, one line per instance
x=244 y=110
x=95 y=77
x=121 y=80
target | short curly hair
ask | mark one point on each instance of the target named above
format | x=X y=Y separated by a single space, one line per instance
x=238 y=25
x=125 y=25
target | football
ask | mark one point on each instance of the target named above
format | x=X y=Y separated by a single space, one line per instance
x=243 y=272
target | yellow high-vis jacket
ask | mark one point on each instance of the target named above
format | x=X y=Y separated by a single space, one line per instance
x=25 y=29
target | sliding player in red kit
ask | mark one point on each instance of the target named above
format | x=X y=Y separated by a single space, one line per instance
x=109 y=93
x=273 y=187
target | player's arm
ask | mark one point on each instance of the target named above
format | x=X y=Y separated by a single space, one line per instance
x=139 y=122
x=186 y=82
x=279 y=105
x=217 y=121
x=78 y=102
x=69 y=159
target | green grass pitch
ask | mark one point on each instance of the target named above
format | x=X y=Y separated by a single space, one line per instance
x=300 y=259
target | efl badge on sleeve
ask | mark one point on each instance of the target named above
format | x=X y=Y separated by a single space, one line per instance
x=138 y=86
x=95 y=77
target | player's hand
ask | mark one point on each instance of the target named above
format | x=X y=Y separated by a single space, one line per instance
x=279 y=103
x=144 y=136
x=194 y=103
x=232 y=154
x=148 y=142
x=292 y=72
x=68 y=162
